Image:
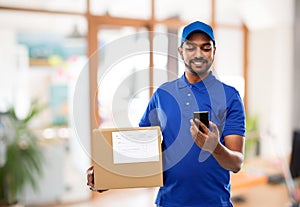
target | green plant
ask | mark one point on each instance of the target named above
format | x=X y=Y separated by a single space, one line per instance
x=23 y=156
x=252 y=137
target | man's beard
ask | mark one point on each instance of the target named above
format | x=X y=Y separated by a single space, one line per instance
x=189 y=66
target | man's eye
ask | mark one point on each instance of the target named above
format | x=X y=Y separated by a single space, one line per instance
x=190 y=48
x=206 y=49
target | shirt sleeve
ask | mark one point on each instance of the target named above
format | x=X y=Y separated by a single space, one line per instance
x=150 y=117
x=235 y=116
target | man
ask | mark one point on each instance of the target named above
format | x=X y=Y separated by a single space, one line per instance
x=197 y=164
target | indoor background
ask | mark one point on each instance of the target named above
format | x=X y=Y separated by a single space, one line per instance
x=48 y=51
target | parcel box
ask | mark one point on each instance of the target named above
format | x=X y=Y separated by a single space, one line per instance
x=127 y=158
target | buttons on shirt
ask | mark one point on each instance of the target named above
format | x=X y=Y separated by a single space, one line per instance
x=188 y=103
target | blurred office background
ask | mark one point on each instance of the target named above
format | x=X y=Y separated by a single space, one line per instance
x=88 y=61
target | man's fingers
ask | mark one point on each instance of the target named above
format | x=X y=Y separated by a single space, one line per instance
x=90 y=180
x=193 y=125
x=193 y=122
x=196 y=120
x=213 y=127
x=99 y=191
x=204 y=127
x=90 y=169
x=90 y=176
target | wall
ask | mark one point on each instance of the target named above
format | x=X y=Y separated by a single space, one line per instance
x=271 y=78
x=296 y=85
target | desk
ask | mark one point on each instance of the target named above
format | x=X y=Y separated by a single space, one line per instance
x=264 y=195
x=244 y=179
x=251 y=184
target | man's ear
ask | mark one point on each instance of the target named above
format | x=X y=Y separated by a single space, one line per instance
x=180 y=52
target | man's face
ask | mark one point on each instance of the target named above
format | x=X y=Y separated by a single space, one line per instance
x=198 y=53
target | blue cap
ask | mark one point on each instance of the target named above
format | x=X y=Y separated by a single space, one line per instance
x=200 y=27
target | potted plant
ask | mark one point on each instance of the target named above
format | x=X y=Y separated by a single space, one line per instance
x=21 y=157
x=252 y=137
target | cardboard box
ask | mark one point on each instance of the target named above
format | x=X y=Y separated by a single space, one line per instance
x=127 y=158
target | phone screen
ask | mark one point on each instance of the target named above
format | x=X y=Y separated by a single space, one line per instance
x=203 y=116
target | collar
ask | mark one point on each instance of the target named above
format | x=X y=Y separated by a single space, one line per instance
x=203 y=84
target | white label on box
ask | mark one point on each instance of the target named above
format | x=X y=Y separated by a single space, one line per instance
x=135 y=146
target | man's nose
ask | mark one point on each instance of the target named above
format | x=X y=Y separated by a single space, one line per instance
x=198 y=52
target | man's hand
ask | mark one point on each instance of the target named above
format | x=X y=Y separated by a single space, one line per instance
x=297 y=194
x=90 y=180
x=230 y=156
x=208 y=139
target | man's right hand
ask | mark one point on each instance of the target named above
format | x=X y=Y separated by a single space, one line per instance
x=90 y=180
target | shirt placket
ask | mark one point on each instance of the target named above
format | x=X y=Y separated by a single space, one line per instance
x=188 y=102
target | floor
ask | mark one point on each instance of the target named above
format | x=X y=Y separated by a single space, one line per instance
x=115 y=198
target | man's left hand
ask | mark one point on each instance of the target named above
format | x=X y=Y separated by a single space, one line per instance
x=207 y=140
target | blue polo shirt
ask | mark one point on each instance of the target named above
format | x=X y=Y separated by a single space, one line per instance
x=192 y=177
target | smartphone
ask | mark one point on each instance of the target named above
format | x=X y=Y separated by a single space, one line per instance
x=203 y=116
